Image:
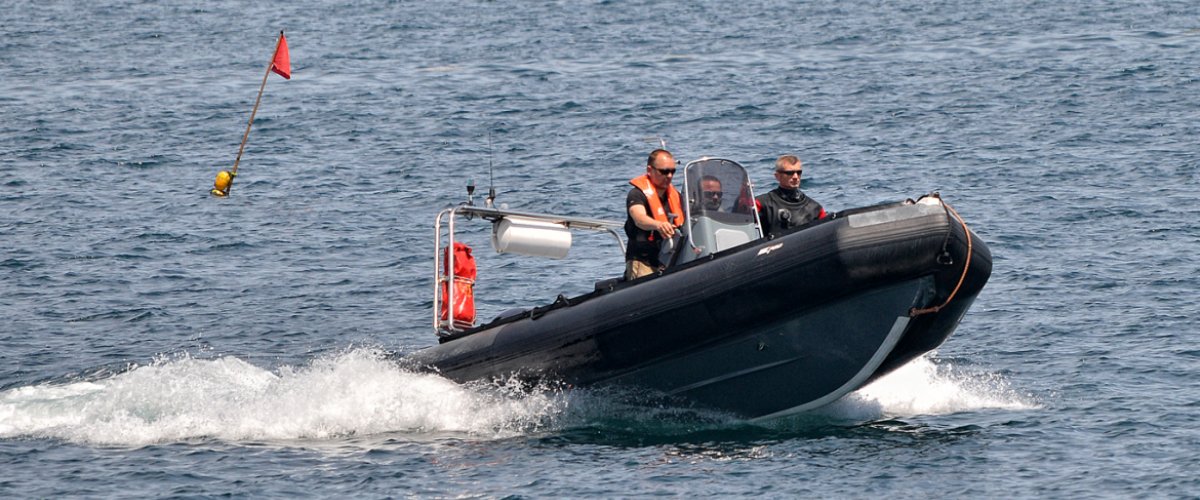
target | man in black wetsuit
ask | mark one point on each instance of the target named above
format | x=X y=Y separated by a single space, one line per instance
x=786 y=206
x=653 y=215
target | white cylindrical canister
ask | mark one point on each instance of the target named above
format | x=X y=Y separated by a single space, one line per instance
x=531 y=237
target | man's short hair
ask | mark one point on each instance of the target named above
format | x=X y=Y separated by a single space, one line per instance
x=655 y=154
x=786 y=161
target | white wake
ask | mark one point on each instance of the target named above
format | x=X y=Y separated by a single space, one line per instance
x=362 y=392
x=353 y=393
x=923 y=387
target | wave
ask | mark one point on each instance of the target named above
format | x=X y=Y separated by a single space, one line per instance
x=927 y=387
x=361 y=392
x=355 y=392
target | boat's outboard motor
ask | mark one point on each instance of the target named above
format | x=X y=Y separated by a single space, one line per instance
x=720 y=208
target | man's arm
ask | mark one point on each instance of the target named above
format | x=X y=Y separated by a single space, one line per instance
x=643 y=220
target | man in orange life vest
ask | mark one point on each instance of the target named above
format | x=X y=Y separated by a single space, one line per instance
x=655 y=213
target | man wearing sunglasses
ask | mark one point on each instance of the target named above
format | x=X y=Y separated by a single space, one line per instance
x=711 y=193
x=654 y=214
x=786 y=207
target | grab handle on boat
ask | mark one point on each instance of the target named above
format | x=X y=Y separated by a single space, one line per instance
x=914 y=312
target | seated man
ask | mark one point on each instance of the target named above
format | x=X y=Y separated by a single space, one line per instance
x=786 y=206
x=711 y=193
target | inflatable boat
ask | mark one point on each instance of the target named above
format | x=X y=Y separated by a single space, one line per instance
x=759 y=327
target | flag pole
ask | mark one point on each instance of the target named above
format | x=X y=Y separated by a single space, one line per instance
x=233 y=172
x=256 y=103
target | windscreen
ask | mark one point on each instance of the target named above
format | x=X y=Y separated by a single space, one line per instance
x=718 y=189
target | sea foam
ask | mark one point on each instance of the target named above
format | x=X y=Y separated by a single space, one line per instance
x=361 y=391
x=926 y=387
x=356 y=392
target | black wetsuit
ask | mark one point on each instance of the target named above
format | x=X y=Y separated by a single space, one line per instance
x=782 y=209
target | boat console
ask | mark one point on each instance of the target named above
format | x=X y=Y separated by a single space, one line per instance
x=721 y=214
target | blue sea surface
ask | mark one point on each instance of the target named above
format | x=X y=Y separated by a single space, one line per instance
x=158 y=341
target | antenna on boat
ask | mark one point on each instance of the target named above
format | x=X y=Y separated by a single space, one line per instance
x=662 y=143
x=491 y=197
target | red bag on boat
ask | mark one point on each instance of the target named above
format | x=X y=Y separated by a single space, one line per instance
x=464 y=286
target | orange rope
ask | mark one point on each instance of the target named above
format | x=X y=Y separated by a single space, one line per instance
x=966 y=265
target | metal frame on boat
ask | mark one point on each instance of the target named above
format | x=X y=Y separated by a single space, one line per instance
x=447 y=327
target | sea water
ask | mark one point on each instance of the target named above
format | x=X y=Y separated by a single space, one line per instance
x=158 y=341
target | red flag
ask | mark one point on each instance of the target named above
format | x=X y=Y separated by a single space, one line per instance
x=282 y=64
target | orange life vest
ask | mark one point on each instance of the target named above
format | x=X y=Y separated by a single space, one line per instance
x=464 y=286
x=656 y=207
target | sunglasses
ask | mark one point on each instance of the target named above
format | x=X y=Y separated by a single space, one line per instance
x=789 y=173
x=712 y=194
x=665 y=171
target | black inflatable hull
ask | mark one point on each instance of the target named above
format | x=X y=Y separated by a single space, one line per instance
x=770 y=328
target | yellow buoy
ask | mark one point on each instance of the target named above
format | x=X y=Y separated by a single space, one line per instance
x=221 y=185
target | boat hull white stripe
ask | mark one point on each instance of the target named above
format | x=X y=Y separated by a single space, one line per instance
x=885 y=348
